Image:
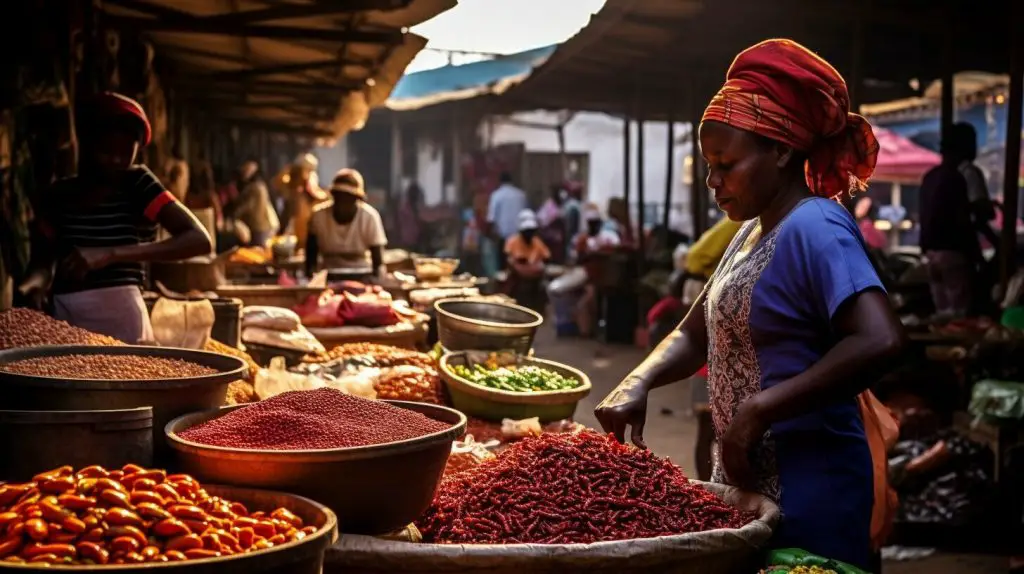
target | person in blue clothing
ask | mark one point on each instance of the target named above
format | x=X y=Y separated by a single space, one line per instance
x=794 y=323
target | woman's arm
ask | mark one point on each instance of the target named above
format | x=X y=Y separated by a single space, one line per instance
x=188 y=239
x=677 y=357
x=871 y=339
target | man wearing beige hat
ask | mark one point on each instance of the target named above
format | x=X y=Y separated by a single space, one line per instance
x=347 y=231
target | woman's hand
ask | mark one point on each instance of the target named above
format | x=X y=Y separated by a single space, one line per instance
x=626 y=405
x=744 y=433
x=82 y=260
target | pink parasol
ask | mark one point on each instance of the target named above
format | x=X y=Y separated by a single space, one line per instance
x=901 y=160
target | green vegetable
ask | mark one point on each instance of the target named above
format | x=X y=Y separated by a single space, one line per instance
x=794 y=557
x=516 y=379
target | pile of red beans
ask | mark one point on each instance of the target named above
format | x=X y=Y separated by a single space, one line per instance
x=572 y=489
x=310 y=420
x=130 y=516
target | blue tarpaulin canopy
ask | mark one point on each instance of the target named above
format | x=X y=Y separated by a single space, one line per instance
x=450 y=83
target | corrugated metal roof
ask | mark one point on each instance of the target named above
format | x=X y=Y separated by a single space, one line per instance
x=459 y=82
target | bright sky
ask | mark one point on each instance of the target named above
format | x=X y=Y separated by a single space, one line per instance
x=501 y=27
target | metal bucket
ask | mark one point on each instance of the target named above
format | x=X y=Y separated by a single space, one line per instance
x=37 y=441
x=468 y=324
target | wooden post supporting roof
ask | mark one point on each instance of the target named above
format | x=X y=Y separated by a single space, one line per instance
x=1011 y=177
x=640 y=198
x=626 y=159
x=669 y=166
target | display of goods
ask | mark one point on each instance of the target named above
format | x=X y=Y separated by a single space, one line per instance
x=408 y=383
x=215 y=346
x=107 y=367
x=524 y=379
x=307 y=420
x=486 y=431
x=798 y=570
x=240 y=393
x=572 y=489
x=28 y=328
x=796 y=561
x=129 y=516
x=376 y=355
x=944 y=479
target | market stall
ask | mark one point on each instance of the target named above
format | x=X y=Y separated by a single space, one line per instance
x=368 y=432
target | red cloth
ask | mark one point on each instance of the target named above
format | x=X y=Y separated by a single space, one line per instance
x=113 y=105
x=664 y=307
x=783 y=91
x=703 y=372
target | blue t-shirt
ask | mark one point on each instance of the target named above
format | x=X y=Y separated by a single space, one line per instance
x=770 y=307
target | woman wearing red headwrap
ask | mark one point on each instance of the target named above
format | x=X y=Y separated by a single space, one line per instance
x=794 y=324
x=93 y=231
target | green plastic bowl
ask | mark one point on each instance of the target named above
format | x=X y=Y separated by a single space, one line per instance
x=494 y=405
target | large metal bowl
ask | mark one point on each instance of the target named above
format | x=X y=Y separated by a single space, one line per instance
x=168 y=397
x=468 y=324
x=304 y=556
x=373 y=489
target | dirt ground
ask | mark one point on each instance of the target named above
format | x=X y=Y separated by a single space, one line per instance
x=670 y=431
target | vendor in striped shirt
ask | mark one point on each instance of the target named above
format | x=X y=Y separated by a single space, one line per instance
x=94 y=231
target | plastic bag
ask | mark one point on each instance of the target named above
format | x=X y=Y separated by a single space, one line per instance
x=320 y=310
x=511 y=429
x=997 y=400
x=360 y=383
x=466 y=454
x=182 y=324
x=276 y=379
x=299 y=340
x=276 y=318
x=570 y=281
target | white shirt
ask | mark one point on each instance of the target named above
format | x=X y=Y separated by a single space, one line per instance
x=504 y=207
x=349 y=242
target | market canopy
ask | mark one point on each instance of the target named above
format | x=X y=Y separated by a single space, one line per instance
x=311 y=67
x=653 y=59
x=465 y=81
x=901 y=160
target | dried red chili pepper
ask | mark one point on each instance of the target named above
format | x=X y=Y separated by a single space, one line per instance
x=572 y=489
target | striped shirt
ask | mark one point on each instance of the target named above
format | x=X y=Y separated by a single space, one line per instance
x=125 y=216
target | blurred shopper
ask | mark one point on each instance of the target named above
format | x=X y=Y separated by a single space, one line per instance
x=527 y=254
x=301 y=190
x=347 y=231
x=588 y=246
x=553 y=223
x=410 y=218
x=202 y=197
x=94 y=231
x=863 y=212
x=253 y=206
x=503 y=209
x=949 y=238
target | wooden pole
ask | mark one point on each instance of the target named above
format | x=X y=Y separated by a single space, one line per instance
x=456 y=164
x=396 y=159
x=640 y=172
x=1011 y=177
x=669 y=166
x=698 y=195
x=626 y=159
x=948 y=65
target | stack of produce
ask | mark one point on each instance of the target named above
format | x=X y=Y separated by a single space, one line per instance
x=307 y=420
x=409 y=383
x=520 y=379
x=27 y=328
x=278 y=328
x=572 y=489
x=107 y=367
x=130 y=516
x=373 y=355
x=371 y=308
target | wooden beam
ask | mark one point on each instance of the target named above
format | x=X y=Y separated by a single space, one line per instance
x=640 y=196
x=290 y=11
x=281 y=128
x=172 y=51
x=1011 y=171
x=269 y=85
x=328 y=64
x=201 y=26
x=151 y=9
x=627 y=160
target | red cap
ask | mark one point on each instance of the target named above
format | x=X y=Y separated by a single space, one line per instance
x=113 y=105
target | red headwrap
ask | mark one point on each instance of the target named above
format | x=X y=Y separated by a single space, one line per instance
x=783 y=91
x=113 y=105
